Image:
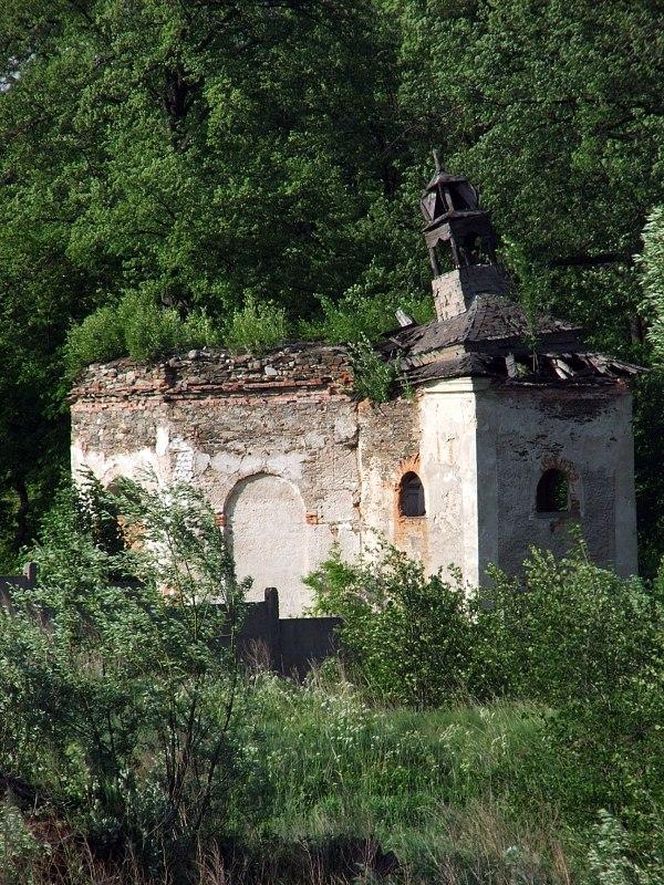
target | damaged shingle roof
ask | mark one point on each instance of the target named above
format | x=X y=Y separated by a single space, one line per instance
x=495 y=338
x=489 y=318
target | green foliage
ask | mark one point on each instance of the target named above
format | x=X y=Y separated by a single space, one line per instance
x=373 y=376
x=19 y=849
x=609 y=858
x=408 y=635
x=366 y=310
x=119 y=672
x=125 y=722
x=99 y=338
x=568 y=628
x=652 y=273
x=257 y=327
x=581 y=642
x=137 y=326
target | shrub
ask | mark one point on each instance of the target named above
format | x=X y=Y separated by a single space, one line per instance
x=367 y=309
x=117 y=697
x=99 y=338
x=583 y=644
x=18 y=846
x=137 y=327
x=258 y=327
x=651 y=265
x=408 y=636
x=374 y=377
x=149 y=331
x=567 y=628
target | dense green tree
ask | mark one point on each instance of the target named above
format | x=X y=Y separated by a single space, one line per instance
x=556 y=111
x=189 y=155
x=651 y=262
x=207 y=156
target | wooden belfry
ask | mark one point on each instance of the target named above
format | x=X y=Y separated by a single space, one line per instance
x=450 y=206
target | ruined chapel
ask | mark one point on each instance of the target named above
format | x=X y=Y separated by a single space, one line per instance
x=504 y=431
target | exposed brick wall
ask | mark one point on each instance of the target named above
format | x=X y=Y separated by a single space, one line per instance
x=297 y=367
x=271 y=442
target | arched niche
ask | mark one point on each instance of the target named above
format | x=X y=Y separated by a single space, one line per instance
x=267 y=530
x=411 y=496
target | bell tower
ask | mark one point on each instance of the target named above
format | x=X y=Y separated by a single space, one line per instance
x=461 y=242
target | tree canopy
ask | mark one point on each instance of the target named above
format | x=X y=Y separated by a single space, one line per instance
x=214 y=156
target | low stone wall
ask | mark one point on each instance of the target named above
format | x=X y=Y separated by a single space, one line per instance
x=289 y=646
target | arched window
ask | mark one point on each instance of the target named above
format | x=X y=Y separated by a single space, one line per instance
x=411 y=495
x=553 y=492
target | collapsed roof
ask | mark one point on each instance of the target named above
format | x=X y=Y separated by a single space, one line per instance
x=495 y=338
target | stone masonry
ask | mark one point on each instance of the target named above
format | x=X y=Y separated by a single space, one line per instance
x=508 y=432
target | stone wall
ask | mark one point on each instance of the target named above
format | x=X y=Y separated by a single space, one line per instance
x=586 y=432
x=271 y=442
x=297 y=367
x=433 y=435
x=455 y=291
x=480 y=451
x=293 y=464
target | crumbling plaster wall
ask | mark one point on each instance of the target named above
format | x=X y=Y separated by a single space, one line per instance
x=586 y=432
x=293 y=464
x=432 y=434
x=267 y=457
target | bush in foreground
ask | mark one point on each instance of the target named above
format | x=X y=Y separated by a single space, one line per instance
x=134 y=749
x=120 y=675
x=584 y=645
x=407 y=637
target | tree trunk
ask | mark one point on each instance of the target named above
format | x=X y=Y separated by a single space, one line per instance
x=22 y=531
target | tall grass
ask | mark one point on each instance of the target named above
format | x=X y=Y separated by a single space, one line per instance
x=356 y=793
x=454 y=794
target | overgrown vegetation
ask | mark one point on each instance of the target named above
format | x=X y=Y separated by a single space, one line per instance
x=510 y=734
x=577 y=640
x=120 y=675
x=651 y=262
x=257 y=327
x=136 y=327
x=375 y=378
x=178 y=175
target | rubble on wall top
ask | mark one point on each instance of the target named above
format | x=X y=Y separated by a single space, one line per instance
x=300 y=366
x=493 y=339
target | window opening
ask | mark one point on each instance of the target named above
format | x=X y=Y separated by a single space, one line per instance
x=411 y=496
x=553 y=492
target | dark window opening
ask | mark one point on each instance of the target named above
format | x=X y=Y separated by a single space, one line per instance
x=411 y=496
x=553 y=492
x=443 y=257
x=458 y=201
